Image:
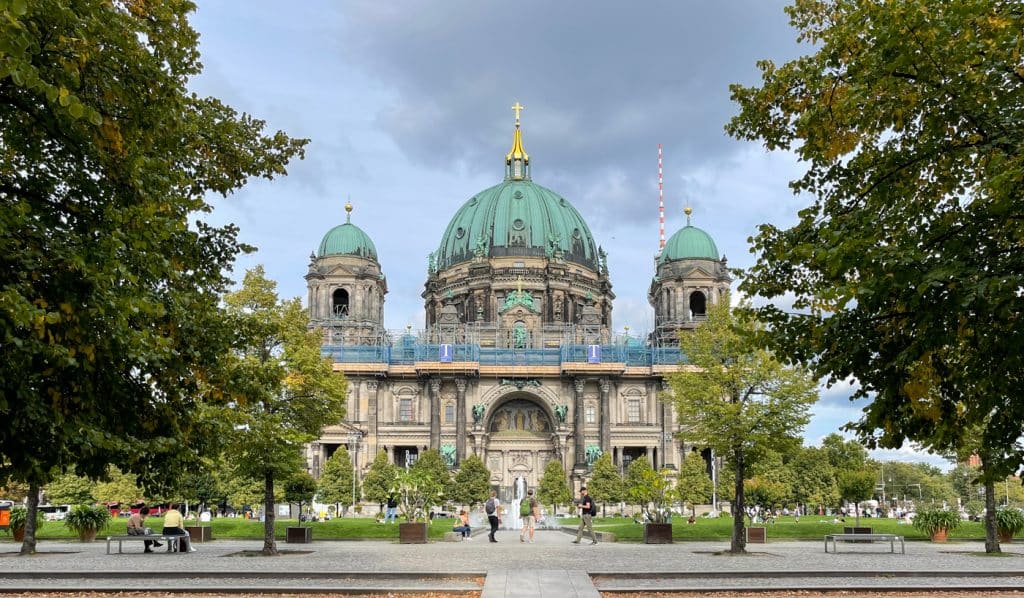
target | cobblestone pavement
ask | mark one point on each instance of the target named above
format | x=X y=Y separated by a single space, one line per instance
x=325 y=564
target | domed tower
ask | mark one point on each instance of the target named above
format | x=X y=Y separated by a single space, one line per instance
x=690 y=277
x=517 y=260
x=346 y=286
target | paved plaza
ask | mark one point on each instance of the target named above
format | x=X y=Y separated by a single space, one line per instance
x=552 y=566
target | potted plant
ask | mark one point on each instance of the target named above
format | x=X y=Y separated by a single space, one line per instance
x=300 y=488
x=417 y=491
x=1009 y=522
x=87 y=521
x=937 y=523
x=650 y=488
x=19 y=516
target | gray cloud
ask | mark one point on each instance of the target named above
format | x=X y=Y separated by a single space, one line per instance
x=603 y=82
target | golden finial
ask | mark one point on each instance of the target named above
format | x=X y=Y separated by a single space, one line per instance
x=687 y=210
x=517 y=108
x=348 y=211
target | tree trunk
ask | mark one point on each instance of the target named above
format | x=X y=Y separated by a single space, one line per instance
x=269 y=547
x=739 y=539
x=28 y=544
x=991 y=533
x=856 y=510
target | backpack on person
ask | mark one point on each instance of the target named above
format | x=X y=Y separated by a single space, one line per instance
x=526 y=507
x=489 y=506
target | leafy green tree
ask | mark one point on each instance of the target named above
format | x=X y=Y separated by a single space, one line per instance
x=336 y=479
x=283 y=390
x=814 y=483
x=379 y=480
x=738 y=399
x=472 y=483
x=652 y=490
x=905 y=272
x=109 y=299
x=605 y=483
x=857 y=485
x=554 y=486
x=202 y=488
x=422 y=486
x=117 y=487
x=765 y=492
x=300 y=488
x=963 y=479
x=242 y=491
x=694 y=484
x=70 y=489
x=436 y=468
x=843 y=454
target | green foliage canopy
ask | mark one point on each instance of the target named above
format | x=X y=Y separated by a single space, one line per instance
x=109 y=315
x=737 y=398
x=606 y=485
x=472 y=483
x=554 y=486
x=283 y=391
x=336 y=479
x=379 y=480
x=907 y=267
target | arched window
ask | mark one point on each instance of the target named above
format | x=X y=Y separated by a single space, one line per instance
x=698 y=305
x=339 y=303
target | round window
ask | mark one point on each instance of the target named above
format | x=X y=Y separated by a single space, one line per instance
x=518 y=224
x=518 y=195
x=460 y=232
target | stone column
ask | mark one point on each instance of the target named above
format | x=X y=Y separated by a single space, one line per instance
x=605 y=425
x=665 y=421
x=581 y=440
x=353 y=416
x=435 y=413
x=460 y=420
x=371 y=417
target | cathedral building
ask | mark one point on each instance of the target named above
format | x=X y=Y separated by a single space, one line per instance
x=517 y=362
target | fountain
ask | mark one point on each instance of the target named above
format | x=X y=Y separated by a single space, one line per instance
x=512 y=518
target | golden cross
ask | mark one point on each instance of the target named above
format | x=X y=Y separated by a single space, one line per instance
x=517 y=108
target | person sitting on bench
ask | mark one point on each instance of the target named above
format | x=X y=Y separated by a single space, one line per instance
x=137 y=527
x=174 y=525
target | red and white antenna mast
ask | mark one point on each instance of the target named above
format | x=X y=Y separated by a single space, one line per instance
x=661 y=206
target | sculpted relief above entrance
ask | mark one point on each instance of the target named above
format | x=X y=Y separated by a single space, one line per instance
x=519 y=417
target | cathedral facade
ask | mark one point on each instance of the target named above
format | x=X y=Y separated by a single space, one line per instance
x=517 y=362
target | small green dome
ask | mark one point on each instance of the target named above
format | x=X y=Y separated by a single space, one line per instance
x=513 y=218
x=689 y=243
x=347 y=239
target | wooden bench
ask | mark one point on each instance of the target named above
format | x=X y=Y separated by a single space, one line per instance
x=172 y=540
x=890 y=538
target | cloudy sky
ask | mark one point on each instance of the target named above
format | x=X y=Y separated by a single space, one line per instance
x=407 y=106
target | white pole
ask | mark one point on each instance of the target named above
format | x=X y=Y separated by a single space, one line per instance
x=714 y=485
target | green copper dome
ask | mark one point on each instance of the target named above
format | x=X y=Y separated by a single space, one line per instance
x=689 y=243
x=347 y=239
x=517 y=218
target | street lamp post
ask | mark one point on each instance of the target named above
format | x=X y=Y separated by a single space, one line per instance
x=353 y=442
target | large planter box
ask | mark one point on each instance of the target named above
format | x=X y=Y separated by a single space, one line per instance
x=299 y=535
x=940 y=535
x=658 y=533
x=756 y=535
x=200 y=533
x=413 y=533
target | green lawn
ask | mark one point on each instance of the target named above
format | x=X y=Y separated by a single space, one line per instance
x=231 y=527
x=785 y=528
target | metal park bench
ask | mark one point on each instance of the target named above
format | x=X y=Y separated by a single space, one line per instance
x=890 y=538
x=172 y=540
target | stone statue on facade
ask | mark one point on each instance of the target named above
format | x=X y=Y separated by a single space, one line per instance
x=478 y=413
x=560 y=412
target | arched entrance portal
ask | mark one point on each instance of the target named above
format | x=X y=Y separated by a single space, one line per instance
x=520 y=442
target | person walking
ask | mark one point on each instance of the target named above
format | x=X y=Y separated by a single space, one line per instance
x=392 y=512
x=493 y=510
x=587 y=511
x=528 y=510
